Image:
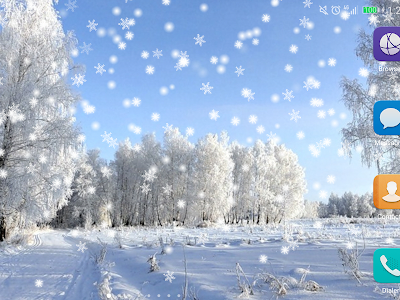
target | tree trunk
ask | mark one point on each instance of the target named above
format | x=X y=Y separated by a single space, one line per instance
x=2 y=229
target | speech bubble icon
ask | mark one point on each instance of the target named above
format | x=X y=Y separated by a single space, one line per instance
x=390 y=117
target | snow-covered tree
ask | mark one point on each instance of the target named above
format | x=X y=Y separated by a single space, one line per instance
x=38 y=139
x=212 y=177
x=175 y=174
x=360 y=98
x=242 y=183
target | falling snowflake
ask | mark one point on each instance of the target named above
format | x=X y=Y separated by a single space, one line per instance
x=183 y=55
x=157 y=53
x=308 y=37
x=308 y=84
x=294 y=115
x=122 y=45
x=238 y=44
x=285 y=250
x=247 y=93
x=88 y=109
x=288 y=95
x=331 y=62
x=166 y=2
x=304 y=22
x=106 y=136
x=326 y=142
x=126 y=23
x=155 y=117
x=150 y=175
x=388 y=17
x=272 y=136
x=71 y=5
x=136 y=102
x=300 y=135
x=293 y=245
x=206 y=88
x=38 y=283
x=129 y=35
x=293 y=48
x=389 y=241
x=105 y=171
x=86 y=48
x=92 y=26
x=316 y=102
x=135 y=129
x=331 y=112
x=235 y=121
x=3 y=173
x=149 y=70
x=350 y=245
x=78 y=80
x=316 y=84
x=255 y=42
x=214 y=60
x=137 y=148
x=81 y=246
x=314 y=150
x=266 y=18
x=189 y=131
x=323 y=194
x=263 y=259
x=145 y=55
x=145 y=188
x=345 y=15
x=307 y=3
x=239 y=71
x=373 y=20
x=100 y=69
x=321 y=114
x=363 y=72
x=169 y=276
x=253 y=119
x=199 y=40
x=260 y=129
x=214 y=115
x=288 y=68
x=181 y=204
x=331 y=179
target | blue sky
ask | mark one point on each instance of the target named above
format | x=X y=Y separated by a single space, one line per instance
x=187 y=106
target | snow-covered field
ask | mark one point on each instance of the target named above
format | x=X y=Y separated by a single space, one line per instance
x=60 y=264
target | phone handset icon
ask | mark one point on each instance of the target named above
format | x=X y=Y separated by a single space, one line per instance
x=394 y=272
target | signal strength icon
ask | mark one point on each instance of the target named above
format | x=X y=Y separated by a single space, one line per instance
x=354 y=11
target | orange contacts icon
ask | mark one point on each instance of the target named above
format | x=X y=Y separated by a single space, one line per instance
x=387 y=191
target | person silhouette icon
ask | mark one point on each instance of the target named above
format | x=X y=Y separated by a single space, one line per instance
x=391 y=188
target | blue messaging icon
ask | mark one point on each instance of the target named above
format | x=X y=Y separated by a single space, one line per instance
x=387 y=117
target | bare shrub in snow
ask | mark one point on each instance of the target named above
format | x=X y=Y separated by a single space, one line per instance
x=153 y=263
x=350 y=259
x=244 y=284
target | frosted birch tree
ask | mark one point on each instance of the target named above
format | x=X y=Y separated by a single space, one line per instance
x=212 y=178
x=38 y=140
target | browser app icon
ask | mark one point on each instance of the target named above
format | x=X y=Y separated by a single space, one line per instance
x=386 y=45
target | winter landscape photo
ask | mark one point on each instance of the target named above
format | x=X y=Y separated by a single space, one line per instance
x=199 y=150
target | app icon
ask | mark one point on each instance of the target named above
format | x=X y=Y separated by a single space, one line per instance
x=387 y=117
x=387 y=265
x=386 y=46
x=387 y=191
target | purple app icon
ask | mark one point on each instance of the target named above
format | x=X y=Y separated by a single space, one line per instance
x=387 y=43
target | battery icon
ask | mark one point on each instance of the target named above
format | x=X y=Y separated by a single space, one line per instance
x=370 y=10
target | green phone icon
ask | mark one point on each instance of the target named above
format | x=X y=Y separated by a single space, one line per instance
x=387 y=265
